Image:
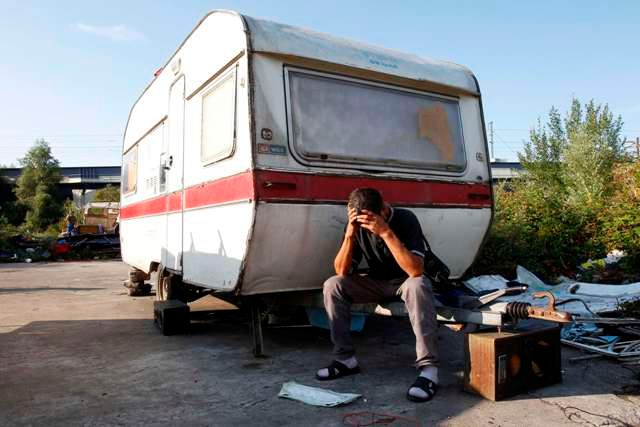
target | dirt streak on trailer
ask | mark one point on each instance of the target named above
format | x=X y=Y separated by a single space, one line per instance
x=240 y=154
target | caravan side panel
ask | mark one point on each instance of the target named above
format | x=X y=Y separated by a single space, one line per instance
x=218 y=197
x=218 y=45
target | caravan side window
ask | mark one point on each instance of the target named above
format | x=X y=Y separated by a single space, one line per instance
x=130 y=170
x=340 y=120
x=219 y=120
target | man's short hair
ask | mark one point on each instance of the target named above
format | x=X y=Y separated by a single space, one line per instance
x=366 y=198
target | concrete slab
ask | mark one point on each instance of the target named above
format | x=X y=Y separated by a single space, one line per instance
x=75 y=349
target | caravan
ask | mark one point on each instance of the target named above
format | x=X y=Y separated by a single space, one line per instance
x=240 y=154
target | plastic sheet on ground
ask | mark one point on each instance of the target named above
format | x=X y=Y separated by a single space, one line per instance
x=315 y=396
x=599 y=298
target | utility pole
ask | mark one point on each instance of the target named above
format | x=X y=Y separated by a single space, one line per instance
x=491 y=141
x=637 y=147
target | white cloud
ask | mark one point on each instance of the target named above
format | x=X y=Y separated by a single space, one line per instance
x=119 y=33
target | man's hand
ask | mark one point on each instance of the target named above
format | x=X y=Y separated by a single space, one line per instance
x=373 y=222
x=352 y=225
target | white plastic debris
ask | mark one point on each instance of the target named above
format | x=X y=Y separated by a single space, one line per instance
x=528 y=278
x=614 y=256
x=599 y=298
x=315 y=396
x=484 y=283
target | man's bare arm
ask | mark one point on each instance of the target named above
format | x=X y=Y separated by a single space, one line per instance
x=411 y=263
x=342 y=262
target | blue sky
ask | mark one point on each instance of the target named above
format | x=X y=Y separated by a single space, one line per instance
x=70 y=70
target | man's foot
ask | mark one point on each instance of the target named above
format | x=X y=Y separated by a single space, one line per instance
x=338 y=369
x=425 y=386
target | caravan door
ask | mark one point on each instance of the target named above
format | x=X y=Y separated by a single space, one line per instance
x=173 y=164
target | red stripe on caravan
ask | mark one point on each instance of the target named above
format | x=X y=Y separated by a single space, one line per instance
x=284 y=186
x=174 y=202
x=272 y=186
x=225 y=190
x=155 y=206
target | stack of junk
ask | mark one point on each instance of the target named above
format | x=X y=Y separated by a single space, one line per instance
x=597 y=325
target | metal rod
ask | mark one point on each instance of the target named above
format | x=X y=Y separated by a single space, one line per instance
x=256 y=330
x=587 y=357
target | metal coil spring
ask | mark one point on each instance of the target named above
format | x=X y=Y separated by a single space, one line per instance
x=518 y=310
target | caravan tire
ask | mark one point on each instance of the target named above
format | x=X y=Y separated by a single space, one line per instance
x=168 y=286
x=164 y=287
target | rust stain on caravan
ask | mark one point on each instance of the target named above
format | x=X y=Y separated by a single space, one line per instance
x=432 y=126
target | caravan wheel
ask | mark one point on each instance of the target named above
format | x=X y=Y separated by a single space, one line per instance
x=166 y=286
x=171 y=287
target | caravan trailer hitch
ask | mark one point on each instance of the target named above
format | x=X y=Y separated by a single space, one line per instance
x=549 y=312
x=523 y=310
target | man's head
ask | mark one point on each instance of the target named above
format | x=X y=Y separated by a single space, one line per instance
x=366 y=198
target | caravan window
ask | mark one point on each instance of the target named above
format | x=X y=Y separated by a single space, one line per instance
x=130 y=170
x=341 y=120
x=219 y=120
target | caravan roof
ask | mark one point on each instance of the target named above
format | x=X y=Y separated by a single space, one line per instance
x=272 y=37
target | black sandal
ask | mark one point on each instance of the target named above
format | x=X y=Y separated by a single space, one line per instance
x=426 y=385
x=338 y=370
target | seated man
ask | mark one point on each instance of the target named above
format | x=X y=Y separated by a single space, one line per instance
x=391 y=242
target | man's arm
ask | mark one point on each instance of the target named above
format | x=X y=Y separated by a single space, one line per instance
x=342 y=262
x=411 y=263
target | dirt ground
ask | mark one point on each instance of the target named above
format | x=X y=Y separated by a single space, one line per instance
x=76 y=350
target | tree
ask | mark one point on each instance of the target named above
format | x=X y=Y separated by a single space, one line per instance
x=542 y=155
x=559 y=213
x=10 y=211
x=110 y=193
x=573 y=159
x=36 y=187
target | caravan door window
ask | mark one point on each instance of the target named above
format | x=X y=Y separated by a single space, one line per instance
x=335 y=120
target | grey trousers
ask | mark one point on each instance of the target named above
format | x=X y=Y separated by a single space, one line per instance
x=341 y=291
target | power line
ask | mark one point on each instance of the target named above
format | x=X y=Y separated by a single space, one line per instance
x=506 y=145
x=60 y=135
x=64 y=147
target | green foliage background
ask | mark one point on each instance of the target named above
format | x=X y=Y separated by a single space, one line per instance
x=36 y=187
x=110 y=193
x=577 y=199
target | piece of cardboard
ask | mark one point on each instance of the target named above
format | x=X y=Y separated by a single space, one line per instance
x=433 y=125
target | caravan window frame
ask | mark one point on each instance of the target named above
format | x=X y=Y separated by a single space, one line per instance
x=231 y=75
x=368 y=165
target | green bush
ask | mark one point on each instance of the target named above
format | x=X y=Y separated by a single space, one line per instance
x=578 y=198
x=620 y=228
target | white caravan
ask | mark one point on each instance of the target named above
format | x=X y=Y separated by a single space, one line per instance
x=240 y=154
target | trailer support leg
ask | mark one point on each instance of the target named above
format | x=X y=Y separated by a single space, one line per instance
x=256 y=330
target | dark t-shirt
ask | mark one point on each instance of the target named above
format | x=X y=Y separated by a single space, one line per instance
x=382 y=264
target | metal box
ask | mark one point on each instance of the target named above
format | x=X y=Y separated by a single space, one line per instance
x=502 y=364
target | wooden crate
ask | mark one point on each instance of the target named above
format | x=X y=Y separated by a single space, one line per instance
x=503 y=364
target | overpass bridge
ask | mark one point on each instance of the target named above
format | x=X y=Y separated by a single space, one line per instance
x=77 y=183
